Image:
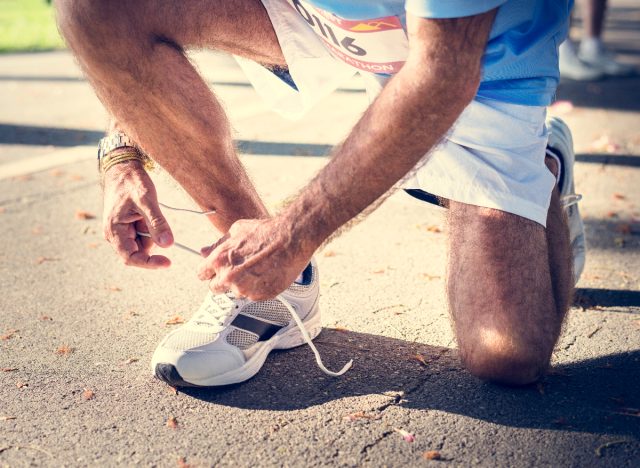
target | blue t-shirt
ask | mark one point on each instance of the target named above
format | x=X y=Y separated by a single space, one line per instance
x=520 y=63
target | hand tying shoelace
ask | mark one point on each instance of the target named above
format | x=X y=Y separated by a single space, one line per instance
x=222 y=311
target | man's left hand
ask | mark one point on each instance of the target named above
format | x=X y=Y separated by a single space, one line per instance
x=257 y=259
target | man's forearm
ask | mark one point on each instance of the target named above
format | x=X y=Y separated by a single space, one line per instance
x=407 y=119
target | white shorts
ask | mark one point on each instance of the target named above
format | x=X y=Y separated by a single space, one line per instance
x=492 y=157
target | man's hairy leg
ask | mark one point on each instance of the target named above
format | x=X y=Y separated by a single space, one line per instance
x=132 y=53
x=509 y=284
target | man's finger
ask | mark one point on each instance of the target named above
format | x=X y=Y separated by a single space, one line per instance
x=152 y=262
x=145 y=242
x=123 y=239
x=206 y=251
x=218 y=285
x=155 y=220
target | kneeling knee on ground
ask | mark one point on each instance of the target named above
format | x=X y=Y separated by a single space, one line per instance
x=500 y=358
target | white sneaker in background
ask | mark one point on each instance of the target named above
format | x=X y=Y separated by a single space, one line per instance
x=573 y=68
x=593 y=53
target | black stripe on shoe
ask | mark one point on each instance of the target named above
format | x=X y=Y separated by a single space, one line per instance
x=264 y=330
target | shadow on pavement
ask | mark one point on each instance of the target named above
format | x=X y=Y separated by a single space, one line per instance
x=597 y=395
x=609 y=159
x=54 y=136
x=610 y=93
x=65 y=137
x=596 y=297
x=619 y=235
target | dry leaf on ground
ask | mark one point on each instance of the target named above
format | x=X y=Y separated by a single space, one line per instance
x=84 y=215
x=114 y=288
x=182 y=463
x=176 y=320
x=623 y=228
x=329 y=253
x=22 y=384
x=8 y=335
x=9 y=369
x=65 y=350
x=46 y=318
x=378 y=272
x=341 y=329
x=619 y=196
x=408 y=436
x=88 y=394
x=429 y=277
x=420 y=358
x=7 y=418
x=131 y=360
x=432 y=455
x=172 y=422
x=433 y=228
x=41 y=260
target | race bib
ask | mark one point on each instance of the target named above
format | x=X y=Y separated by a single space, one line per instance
x=374 y=45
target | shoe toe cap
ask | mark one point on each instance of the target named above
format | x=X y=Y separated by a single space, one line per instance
x=195 y=365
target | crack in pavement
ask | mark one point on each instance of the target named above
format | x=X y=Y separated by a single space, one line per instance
x=397 y=400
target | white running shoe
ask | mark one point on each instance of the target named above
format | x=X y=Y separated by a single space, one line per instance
x=573 y=68
x=228 y=339
x=560 y=147
x=595 y=55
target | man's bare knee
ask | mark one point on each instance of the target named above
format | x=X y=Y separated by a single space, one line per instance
x=101 y=28
x=498 y=357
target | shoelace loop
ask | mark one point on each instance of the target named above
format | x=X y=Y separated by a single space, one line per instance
x=309 y=341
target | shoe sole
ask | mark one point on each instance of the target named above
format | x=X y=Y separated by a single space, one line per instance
x=285 y=339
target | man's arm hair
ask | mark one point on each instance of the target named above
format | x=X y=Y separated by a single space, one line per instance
x=412 y=113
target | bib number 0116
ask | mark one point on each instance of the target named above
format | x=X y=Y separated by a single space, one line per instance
x=347 y=43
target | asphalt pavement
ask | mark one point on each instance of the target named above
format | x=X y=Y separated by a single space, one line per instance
x=77 y=328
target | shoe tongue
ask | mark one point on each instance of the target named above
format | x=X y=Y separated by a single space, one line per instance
x=304 y=278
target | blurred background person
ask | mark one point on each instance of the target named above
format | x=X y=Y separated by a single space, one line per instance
x=589 y=59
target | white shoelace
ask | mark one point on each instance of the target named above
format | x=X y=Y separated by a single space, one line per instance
x=223 y=312
x=308 y=340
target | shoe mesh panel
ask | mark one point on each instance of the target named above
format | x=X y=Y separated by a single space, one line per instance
x=296 y=288
x=187 y=339
x=241 y=339
x=271 y=310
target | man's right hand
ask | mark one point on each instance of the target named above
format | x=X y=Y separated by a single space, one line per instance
x=130 y=206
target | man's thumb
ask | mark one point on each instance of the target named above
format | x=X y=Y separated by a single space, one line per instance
x=157 y=225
